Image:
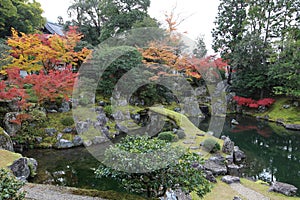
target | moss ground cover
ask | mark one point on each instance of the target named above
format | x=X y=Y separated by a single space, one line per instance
x=288 y=115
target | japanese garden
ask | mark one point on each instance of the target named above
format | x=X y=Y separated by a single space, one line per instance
x=113 y=103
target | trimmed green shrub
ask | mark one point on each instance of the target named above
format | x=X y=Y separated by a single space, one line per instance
x=67 y=121
x=211 y=145
x=159 y=169
x=108 y=110
x=180 y=134
x=167 y=136
x=10 y=186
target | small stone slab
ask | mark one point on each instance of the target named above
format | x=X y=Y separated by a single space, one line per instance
x=188 y=142
x=194 y=148
x=230 y=179
x=63 y=144
x=200 y=134
x=233 y=169
x=293 y=126
x=215 y=167
x=283 y=188
x=237 y=198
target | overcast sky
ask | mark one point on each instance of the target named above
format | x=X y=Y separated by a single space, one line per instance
x=199 y=14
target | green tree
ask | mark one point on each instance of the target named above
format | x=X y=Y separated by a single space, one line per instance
x=130 y=58
x=285 y=72
x=101 y=19
x=250 y=77
x=261 y=30
x=230 y=26
x=23 y=15
x=200 y=50
x=161 y=175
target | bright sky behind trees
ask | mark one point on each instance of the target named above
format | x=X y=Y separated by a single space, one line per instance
x=199 y=14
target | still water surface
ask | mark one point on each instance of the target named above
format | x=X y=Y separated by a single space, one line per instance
x=273 y=153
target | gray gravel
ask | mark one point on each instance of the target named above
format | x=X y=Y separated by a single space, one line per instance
x=50 y=192
x=247 y=192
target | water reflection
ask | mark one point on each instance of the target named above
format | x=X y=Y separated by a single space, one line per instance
x=272 y=154
x=70 y=167
x=272 y=151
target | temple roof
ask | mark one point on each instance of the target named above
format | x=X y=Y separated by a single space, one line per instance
x=54 y=28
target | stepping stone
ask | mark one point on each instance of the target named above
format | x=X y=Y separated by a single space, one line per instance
x=230 y=179
x=283 y=188
x=194 y=148
x=188 y=142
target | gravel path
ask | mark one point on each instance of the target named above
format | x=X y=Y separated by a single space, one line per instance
x=50 y=192
x=247 y=192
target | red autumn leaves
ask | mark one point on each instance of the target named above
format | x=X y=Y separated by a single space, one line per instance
x=251 y=103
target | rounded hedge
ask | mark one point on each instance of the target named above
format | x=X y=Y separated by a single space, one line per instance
x=211 y=145
x=167 y=136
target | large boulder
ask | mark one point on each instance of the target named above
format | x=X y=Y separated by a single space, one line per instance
x=230 y=179
x=238 y=155
x=11 y=127
x=65 y=107
x=63 y=144
x=216 y=165
x=102 y=119
x=228 y=146
x=234 y=170
x=77 y=141
x=5 y=141
x=22 y=168
x=210 y=177
x=50 y=131
x=283 y=188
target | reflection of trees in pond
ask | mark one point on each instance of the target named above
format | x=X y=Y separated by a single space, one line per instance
x=272 y=154
x=263 y=131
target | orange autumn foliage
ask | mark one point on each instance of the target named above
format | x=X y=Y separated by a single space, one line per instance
x=166 y=56
x=34 y=52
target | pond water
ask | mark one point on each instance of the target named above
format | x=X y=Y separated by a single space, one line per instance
x=273 y=153
x=72 y=167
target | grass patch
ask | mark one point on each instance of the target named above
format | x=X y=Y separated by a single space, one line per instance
x=112 y=195
x=276 y=111
x=263 y=189
x=181 y=120
x=223 y=191
x=54 y=120
x=220 y=190
x=189 y=128
x=7 y=158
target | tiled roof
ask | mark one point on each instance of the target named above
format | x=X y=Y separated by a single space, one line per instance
x=54 y=28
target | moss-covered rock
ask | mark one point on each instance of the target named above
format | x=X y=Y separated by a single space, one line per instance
x=7 y=158
x=5 y=141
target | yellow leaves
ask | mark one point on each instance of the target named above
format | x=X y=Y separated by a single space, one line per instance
x=162 y=56
x=33 y=52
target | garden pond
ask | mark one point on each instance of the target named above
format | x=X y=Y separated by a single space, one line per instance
x=273 y=153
